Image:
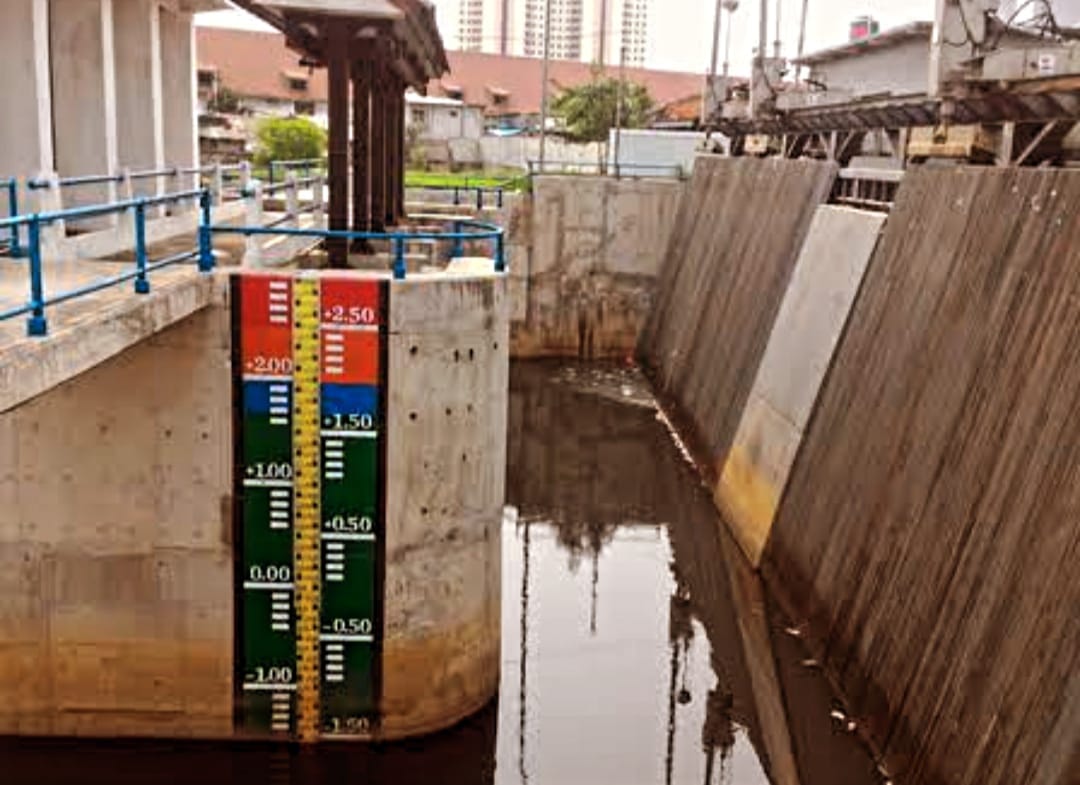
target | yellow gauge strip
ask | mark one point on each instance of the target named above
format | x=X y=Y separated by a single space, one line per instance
x=306 y=496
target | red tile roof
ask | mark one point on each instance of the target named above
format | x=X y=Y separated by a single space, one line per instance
x=256 y=65
x=519 y=79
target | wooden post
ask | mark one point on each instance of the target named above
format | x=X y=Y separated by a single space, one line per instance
x=362 y=82
x=378 y=152
x=402 y=163
x=393 y=165
x=338 y=36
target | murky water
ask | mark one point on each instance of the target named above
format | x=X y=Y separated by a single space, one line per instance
x=629 y=623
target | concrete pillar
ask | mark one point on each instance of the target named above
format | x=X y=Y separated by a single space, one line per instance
x=179 y=93
x=84 y=97
x=139 y=103
x=26 y=134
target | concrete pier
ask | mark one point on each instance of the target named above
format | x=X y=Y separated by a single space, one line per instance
x=118 y=551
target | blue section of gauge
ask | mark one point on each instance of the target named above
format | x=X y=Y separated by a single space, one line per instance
x=268 y=397
x=346 y=399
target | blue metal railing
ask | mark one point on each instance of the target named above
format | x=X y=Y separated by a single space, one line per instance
x=13 y=242
x=37 y=324
x=35 y=307
x=612 y=168
x=306 y=164
x=463 y=232
x=474 y=194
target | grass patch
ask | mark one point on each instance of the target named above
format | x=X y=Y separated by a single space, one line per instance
x=510 y=179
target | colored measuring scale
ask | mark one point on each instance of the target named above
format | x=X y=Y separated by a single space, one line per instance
x=310 y=380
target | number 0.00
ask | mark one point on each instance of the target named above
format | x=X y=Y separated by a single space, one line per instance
x=271 y=574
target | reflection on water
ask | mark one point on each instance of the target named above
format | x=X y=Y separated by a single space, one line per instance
x=624 y=646
x=625 y=655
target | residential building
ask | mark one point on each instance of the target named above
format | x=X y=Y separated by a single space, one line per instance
x=599 y=31
x=266 y=78
x=435 y=118
x=893 y=62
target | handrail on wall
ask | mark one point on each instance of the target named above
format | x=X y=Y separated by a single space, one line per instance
x=37 y=324
x=463 y=230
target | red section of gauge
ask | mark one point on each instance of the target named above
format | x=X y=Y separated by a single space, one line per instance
x=350 y=355
x=350 y=303
x=266 y=325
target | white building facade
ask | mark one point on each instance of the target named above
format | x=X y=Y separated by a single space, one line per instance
x=601 y=31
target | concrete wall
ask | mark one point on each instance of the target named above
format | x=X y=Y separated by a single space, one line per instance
x=116 y=554
x=516 y=152
x=115 y=558
x=647 y=152
x=446 y=459
x=585 y=253
x=823 y=286
x=898 y=69
x=928 y=532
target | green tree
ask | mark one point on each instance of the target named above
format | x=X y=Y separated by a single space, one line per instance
x=589 y=111
x=288 y=139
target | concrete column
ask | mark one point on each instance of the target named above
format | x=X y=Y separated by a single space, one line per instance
x=84 y=96
x=139 y=102
x=179 y=93
x=26 y=134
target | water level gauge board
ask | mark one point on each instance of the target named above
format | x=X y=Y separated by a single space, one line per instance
x=309 y=359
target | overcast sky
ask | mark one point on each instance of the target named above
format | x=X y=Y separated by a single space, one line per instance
x=680 y=31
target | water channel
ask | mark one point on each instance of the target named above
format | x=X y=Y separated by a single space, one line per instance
x=631 y=633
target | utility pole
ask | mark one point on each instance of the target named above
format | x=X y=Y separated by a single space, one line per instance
x=708 y=97
x=731 y=6
x=618 y=107
x=759 y=81
x=802 y=39
x=776 y=41
x=544 y=86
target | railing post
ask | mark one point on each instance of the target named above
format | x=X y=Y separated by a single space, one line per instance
x=219 y=183
x=142 y=285
x=13 y=210
x=317 y=199
x=127 y=193
x=245 y=176
x=479 y=199
x=270 y=175
x=458 y=249
x=206 y=246
x=292 y=199
x=253 y=250
x=36 y=325
x=292 y=209
x=399 y=257
x=457 y=196
x=49 y=199
x=500 y=253
x=178 y=185
x=499 y=197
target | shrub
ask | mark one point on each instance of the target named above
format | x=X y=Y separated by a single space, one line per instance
x=288 y=139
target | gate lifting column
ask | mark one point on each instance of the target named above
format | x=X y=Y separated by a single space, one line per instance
x=381 y=50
